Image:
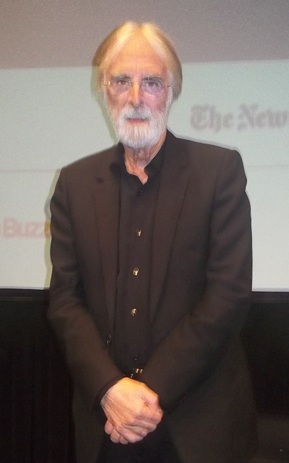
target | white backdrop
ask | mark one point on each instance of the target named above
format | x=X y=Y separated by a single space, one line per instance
x=50 y=117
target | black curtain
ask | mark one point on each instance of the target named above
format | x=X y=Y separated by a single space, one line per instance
x=35 y=390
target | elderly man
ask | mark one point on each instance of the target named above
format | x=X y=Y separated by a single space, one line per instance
x=151 y=253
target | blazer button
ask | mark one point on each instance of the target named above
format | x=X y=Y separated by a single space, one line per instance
x=109 y=340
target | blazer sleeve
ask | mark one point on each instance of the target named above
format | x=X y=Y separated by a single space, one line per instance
x=193 y=349
x=85 y=350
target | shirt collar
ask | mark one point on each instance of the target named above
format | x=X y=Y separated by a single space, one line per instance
x=151 y=169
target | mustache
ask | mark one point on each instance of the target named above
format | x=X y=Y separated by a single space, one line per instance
x=136 y=113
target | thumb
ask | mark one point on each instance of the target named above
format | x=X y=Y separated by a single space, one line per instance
x=151 y=400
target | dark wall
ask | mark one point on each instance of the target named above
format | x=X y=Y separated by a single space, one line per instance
x=35 y=389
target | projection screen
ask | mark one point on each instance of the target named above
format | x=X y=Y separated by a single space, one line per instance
x=235 y=59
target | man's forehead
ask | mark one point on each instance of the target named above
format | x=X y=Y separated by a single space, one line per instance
x=137 y=57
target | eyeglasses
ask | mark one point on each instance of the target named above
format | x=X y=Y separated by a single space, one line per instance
x=150 y=85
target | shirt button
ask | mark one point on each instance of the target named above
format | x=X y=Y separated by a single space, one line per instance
x=133 y=312
x=109 y=340
x=135 y=271
x=138 y=232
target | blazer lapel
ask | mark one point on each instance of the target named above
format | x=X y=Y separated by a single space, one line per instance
x=172 y=191
x=107 y=213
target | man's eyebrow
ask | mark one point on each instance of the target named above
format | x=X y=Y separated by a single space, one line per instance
x=121 y=75
x=153 y=76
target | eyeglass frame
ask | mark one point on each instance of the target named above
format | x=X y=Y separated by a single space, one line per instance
x=129 y=82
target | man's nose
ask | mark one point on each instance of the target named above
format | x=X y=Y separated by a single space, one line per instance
x=135 y=95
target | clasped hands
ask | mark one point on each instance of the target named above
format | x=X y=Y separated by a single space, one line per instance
x=132 y=410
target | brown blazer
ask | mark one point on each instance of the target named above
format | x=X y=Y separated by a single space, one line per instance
x=200 y=293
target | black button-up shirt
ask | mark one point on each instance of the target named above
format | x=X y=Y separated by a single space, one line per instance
x=137 y=212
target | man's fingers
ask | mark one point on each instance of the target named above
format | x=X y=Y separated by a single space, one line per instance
x=125 y=435
x=128 y=436
x=108 y=427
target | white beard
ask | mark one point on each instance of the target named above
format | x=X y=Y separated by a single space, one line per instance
x=139 y=135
